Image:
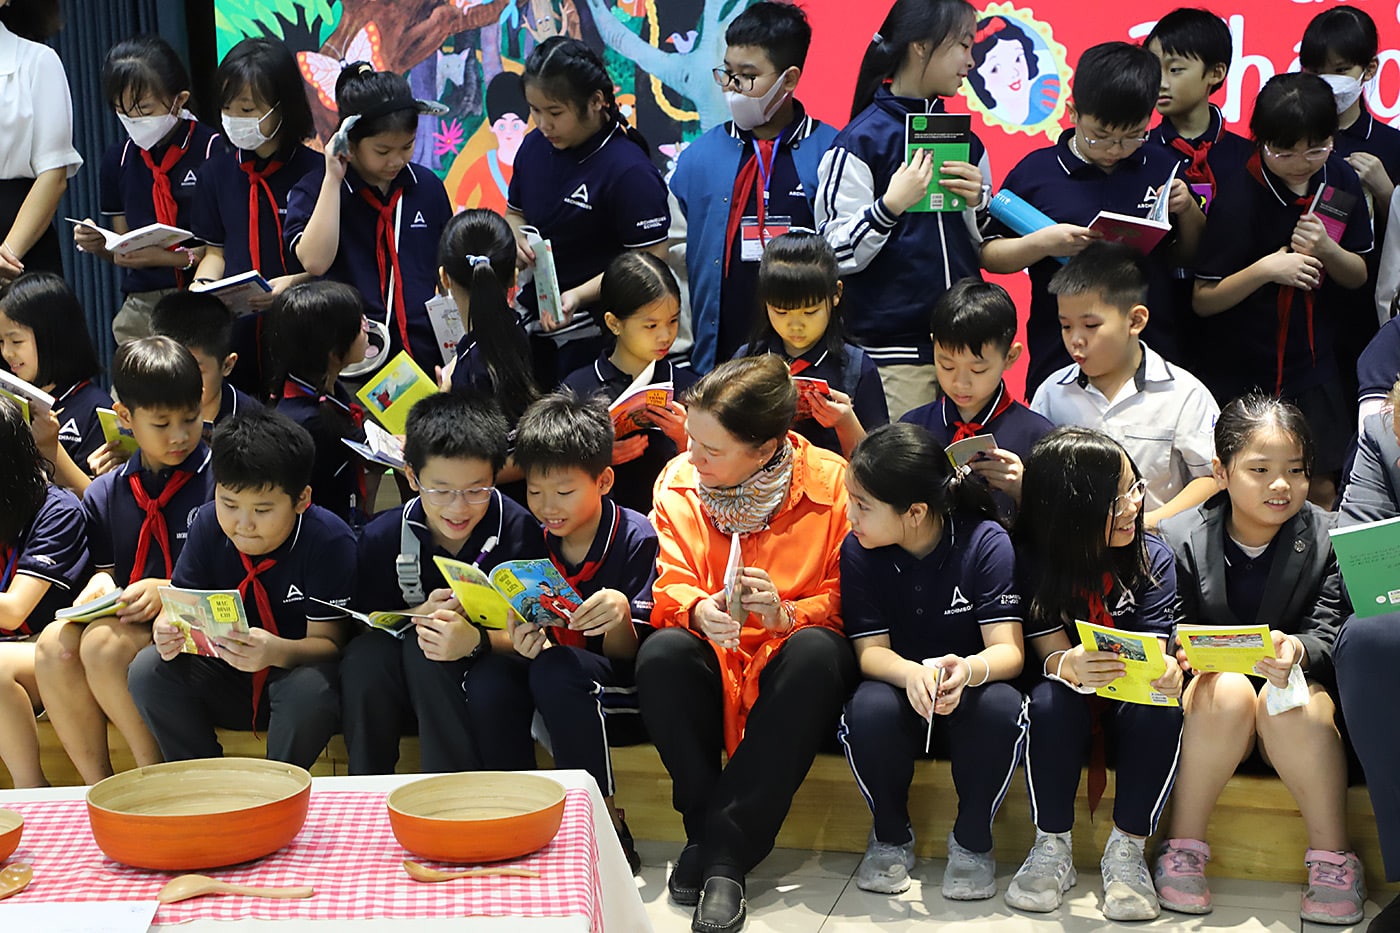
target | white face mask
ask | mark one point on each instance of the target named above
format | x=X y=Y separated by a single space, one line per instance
x=246 y=132
x=1345 y=88
x=749 y=112
x=146 y=132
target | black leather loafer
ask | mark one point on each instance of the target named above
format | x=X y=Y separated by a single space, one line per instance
x=684 y=883
x=722 y=907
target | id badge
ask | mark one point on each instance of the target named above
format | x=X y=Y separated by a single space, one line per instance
x=751 y=242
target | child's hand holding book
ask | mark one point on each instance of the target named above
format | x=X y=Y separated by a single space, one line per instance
x=909 y=184
x=446 y=636
x=527 y=638
x=964 y=179
x=251 y=651
x=603 y=612
x=1288 y=652
x=141 y=601
x=169 y=639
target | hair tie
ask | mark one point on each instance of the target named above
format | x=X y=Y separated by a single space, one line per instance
x=473 y=260
x=365 y=68
x=877 y=39
x=994 y=25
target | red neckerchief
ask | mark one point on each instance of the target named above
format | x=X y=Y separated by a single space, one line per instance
x=1284 y=305
x=162 y=195
x=966 y=429
x=1098 y=706
x=295 y=388
x=745 y=184
x=264 y=613
x=564 y=635
x=153 y=526
x=257 y=181
x=1198 y=171
x=9 y=557
x=796 y=366
x=386 y=252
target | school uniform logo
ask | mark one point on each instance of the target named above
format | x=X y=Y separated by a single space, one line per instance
x=418 y=222
x=1127 y=602
x=69 y=431
x=579 y=198
x=1149 y=199
x=292 y=593
x=959 y=603
x=189 y=519
x=43 y=560
x=190 y=179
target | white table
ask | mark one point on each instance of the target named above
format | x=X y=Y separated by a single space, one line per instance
x=622 y=905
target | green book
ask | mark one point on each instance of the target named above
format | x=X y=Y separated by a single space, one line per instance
x=948 y=137
x=1369 y=556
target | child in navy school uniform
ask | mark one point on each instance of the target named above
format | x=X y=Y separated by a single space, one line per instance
x=584 y=180
x=204 y=325
x=577 y=676
x=1100 y=164
x=1259 y=553
x=920 y=54
x=44 y=341
x=371 y=217
x=287 y=558
x=138 y=518
x=928 y=586
x=152 y=177
x=1280 y=262
x=243 y=190
x=315 y=330
x=642 y=303
x=1082 y=554
x=802 y=298
x=43 y=560
x=974 y=344
x=455 y=446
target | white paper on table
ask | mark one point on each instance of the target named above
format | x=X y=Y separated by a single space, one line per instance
x=86 y=917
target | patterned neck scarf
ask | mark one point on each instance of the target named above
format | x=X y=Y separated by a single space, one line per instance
x=747 y=507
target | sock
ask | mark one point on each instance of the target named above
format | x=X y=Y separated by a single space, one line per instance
x=1118 y=834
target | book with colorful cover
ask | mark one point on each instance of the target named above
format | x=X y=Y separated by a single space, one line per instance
x=398 y=624
x=161 y=236
x=961 y=453
x=235 y=290
x=203 y=615
x=629 y=410
x=948 y=138
x=380 y=447
x=34 y=400
x=1369 y=557
x=1141 y=233
x=1140 y=652
x=547 y=293
x=113 y=432
x=807 y=388
x=391 y=392
x=534 y=590
x=99 y=608
x=1225 y=649
x=448 y=329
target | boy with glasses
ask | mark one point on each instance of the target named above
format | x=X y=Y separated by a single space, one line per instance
x=454 y=445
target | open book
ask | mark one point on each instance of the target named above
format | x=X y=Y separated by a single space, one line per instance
x=32 y=399
x=391 y=392
x=161 y=236
x=629 y=409
x=99 y=608
x=235 y=290
x=534 y=590
x=963 y=452
x=380 y=447
x=1369 y=557
x=203 y=615
x=1223 y=649
x=948 y=138
x=1141 y=233
x=113 y=432
x=547 y=294
x=398 y=624
x=448 y=329
x=1140 y=652
x=733 y=589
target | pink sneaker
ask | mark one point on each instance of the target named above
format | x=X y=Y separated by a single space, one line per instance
x=1336 y=888
x=1180 y=876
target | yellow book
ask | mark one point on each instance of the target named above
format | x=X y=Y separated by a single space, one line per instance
x=472 y=587
x=1225 y=649
x=112 y=430
x=1140 y=652
x=391 y=392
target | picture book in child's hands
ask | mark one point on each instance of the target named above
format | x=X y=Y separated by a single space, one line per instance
x=391 y=392
x=99 y=608
x=533 y=589
x=203 y=615
x=35 y=401
x=1333 y=207
x=629 y=410
x=380 y=447
x=1369 y=556
x=807 y=387
x=398 y=624
x=547 y=294
x=1140 y=652
x=1221 y=649
x=113 y=432
x=235 y=290
x=948 y=138
x=733 y=589
x=1141 y=233
x=161 y=236
x=963 y=452
x=448 y=328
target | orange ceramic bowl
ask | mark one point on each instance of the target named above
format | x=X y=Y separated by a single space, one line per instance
x=11 y=828
x=185 y=815
x=476 y=816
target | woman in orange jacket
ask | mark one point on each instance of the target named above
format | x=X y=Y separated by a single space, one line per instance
x=765 y=684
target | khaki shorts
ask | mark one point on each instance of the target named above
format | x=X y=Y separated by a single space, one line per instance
x=133 y=320
x=907 y=386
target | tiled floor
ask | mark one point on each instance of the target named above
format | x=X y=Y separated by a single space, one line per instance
x=806 y=892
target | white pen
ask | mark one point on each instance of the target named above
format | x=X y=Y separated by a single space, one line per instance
x=937 y=682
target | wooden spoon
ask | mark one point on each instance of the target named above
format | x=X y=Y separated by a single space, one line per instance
x=187 y=886
x=14 y=879
x=424 y=873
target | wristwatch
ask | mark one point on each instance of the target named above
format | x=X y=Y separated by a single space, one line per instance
x=483 y=647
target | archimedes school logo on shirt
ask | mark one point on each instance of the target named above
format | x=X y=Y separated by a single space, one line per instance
x=418 y=222
x=69 y=431
x=579 y=198
x=959 y=603
x=190 y=179
x=292 y=593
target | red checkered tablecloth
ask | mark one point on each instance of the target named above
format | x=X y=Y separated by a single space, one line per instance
x=346 y=850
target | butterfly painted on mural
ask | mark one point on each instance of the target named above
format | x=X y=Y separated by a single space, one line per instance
x=322 y=71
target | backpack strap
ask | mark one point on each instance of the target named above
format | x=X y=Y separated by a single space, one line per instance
x=408 y=565
x=850 y=369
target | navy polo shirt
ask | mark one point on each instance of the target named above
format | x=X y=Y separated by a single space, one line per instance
x=1226 y=157
x=221 y=208
x=861 y=383
x=516 y=532
x=79 y=430
x=53 y=548
x=632 y=481
x=936 y=605
x=425 y=210
x=1379 y=364
x=1249 y=221
x=1245 y=580
x=622 y=557
x=1147 y=609
x=591 y=202
x=234 y=401
x=1367 y=134
x=1069 y=190
x=125 y=187
x=115 y=520
x=314 y=562
x=471 y=370
x=337 y=474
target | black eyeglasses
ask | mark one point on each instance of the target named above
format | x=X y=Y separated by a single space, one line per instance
x=741 y=83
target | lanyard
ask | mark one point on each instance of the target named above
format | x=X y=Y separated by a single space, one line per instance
x=765 y=172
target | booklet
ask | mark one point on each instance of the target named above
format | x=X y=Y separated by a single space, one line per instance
x=547 y=294
x=113 y=432
x=1222 y=649
x=380 y=447
x=733 y=589
x=629 y=409
x=963 y=452
x=203 y=615
x=1141 y=233
x=448 y=328
x=34 y=400
x=99 y=608
x=235 y=290
x=391 y=392
x=948 y=138
x=1141 y=652
x=161 y=236
x=1369 y=556
x=398 y=624
x=534 y=590
x=807 y=387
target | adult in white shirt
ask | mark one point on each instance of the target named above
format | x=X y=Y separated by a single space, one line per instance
x=36 y=137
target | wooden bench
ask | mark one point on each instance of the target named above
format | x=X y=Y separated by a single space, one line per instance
x=1256 y=831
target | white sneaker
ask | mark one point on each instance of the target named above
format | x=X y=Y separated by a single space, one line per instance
x=1128 y=893
x=1044 y=877
x=886 y=866
x=970 y=876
